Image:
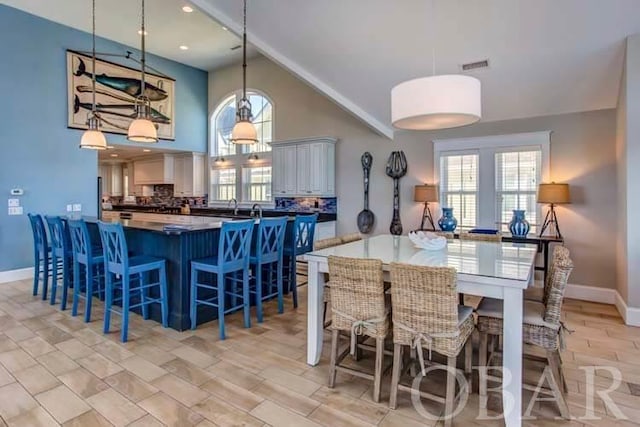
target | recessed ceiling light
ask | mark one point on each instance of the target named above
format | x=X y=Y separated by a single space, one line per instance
x=146 y=33
x=187 y=9
x=109 y=146
x=225 y=28
x=114 y=155
x=146 y=150
x=183 y=47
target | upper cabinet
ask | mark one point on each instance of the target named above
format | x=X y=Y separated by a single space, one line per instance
x=304 y=167
x=156 y=170
x=111 y=174
x=189 y=175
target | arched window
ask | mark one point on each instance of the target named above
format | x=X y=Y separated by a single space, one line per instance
x=242 y=172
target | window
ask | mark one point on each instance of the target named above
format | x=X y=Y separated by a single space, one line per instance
x=484 y=179
x=234 y=174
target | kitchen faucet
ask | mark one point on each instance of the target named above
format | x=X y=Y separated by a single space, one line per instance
x=235 y=205
x=253 y=208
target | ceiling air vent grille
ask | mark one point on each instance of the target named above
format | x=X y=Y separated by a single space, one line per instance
x=470 y=66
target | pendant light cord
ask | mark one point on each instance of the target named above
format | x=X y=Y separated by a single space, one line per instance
x=244 y=52
x=143 y=59
x=93 y=60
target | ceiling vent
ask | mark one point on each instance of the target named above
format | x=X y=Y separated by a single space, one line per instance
x=236 y=47
x=471 y=66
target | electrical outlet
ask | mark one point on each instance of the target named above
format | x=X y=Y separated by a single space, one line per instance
x=69 y=208
x=15 y=210
x=77 y=207
x=14 y=203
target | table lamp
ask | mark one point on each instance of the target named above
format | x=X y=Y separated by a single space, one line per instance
x=553 y=194
x=425 y=194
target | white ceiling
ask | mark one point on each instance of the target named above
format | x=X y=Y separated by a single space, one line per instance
x=547 y=56
x=167 y=25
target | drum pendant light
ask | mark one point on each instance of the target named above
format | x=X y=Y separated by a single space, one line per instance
x=142 y=128
x=93 y=138
x=244 y=132
x=436 y=102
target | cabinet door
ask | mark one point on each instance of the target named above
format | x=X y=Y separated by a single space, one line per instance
x=179 y=176
x=303 y=163
x=199 y=179
x=277 y=171
x=317 y=169
x=116 y=180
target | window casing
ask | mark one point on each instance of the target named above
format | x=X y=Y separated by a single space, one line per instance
x=484 y=179
x=234 y=173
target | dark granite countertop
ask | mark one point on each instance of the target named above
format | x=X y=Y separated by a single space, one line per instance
x=160 y=227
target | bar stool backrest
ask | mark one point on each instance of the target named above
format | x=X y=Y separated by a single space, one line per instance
x=80 y=241
x=235 y=244
x=114 y=248
x=304 y=229
x=270 y=239
x=39 y=233
x=59 y=235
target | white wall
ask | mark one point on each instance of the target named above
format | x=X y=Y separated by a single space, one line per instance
x=582 y=154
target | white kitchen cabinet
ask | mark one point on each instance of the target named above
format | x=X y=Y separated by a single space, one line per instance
x=189 y=176
x=324 y=230
x=112 y=180
x=304 y=167
x=156 y=170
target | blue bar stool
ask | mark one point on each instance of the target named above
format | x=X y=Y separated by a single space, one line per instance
x=128 y=271
x=61 y=257
x=267 y=253
x=91 y=257
x=233 y=257
x=41 y=255
x=299 y=241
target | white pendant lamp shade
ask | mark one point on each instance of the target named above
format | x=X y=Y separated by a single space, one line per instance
x=142 y=130
x=244 y=133
x=436 y=102
x=93 y=139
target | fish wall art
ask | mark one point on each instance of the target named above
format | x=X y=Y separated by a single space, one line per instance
x=117 y=88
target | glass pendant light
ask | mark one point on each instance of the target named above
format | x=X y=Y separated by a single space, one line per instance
x=142 y=128
x=93 y=138
x=244 y=132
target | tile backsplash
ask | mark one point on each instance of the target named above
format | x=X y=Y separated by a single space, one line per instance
x=311 y=204
x=163 y=195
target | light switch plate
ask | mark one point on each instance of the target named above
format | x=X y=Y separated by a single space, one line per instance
x=15 y=210
x=77 y=207
x=69 y=208
x=14 y=202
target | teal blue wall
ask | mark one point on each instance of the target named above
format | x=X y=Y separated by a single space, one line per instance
x=37 y=151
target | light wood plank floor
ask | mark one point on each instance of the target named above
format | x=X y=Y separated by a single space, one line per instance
x=57 y=370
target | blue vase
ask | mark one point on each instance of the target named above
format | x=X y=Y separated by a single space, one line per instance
x=447 y=221
x=519 y=226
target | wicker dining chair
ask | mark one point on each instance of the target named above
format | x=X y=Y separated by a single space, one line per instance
x=541 y=327
x=326 y=243
x=538 y=293
x=426 y=316
x=359 y=308
x=326 y=295
x=352 y=237
x=481 y=237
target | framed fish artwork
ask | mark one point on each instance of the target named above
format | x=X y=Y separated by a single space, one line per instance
x=117 y=88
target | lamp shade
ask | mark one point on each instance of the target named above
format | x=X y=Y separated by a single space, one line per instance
x=244 y=133
x=436 y=102
x=425 y=193
x=553 y=193
x=93 y=139
x=142 y=130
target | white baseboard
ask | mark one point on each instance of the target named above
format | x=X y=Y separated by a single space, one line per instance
x=631 y=315
x=590 y=293
x=13 y=275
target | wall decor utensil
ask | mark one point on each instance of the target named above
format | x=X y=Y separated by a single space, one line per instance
x=396 y=169
x=366 y=218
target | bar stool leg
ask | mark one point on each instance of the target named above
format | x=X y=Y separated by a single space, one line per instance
x=126 y=295
x=54 y=279
x=279 y=280
x=88 y=291
x=164 y=297
x=221 y=296
x=194 y=296
x=259 y=313
x=45 y=276
x=108 y=301
x=66 y=282
x=246 y=308
x=76 y=288
x=144 y=281
x=36 y=275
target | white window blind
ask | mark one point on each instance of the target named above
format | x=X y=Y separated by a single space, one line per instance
x=459 y=187
x=517 y=178
x=223 y=184
x=257 y=182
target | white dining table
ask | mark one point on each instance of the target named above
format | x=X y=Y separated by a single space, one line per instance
x=498 y=270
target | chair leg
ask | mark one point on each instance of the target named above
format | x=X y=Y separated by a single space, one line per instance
x=164 y=296
x=144 y=281
x=451 y=390
x=395 y=376
x=126 y=302
x=220 y=278
x=334 y=358
x=76 y=289
x=279 y=280
x=294 y=281
x=259 y=313
x=54 y=279
x=108 y=301
x=413 y=355
x=45 y=276
x=377 y=376
x=246 y=307
x=36 y=274
x=563 y=380
x=468 y=358
x=88 y=291
x=193 y=307
x=482 y=363
x=553 y=384
x=66 y=282
x=324 y=314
